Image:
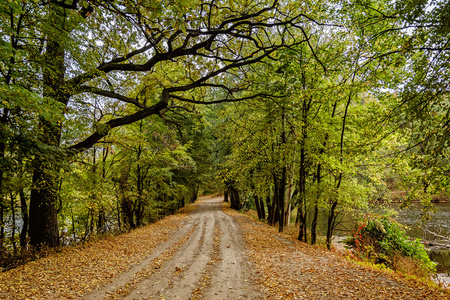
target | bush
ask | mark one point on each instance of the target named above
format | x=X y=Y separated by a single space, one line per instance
x=383 y=241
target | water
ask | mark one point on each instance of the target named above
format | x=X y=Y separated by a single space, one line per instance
x=435 y=233
x=436 y=230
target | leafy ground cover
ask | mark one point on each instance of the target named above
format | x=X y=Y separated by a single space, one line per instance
x=75 y=271
x=290 y=269
x=284 y=267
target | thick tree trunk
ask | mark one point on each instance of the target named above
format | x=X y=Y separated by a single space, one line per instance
x=263 y=209
x=302 y=229
x=194 y=195
x=225 y=196
x=44 y=193
x=101 y=220
x=273 y=210
x=235 y=200
x=126 y=204
x=230 y=192
x=43 y=216
x=258 y=207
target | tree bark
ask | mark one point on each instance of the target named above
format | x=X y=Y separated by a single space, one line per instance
x=13 y=225
x=2 y=225
x=258 y=207
x=281 y=199
x=126 y=204
x=316 y=207
x=43 y=215
x=302 y=212
x=330 y=224
x=24 y=209
x=263 y=209
x=3 y=121
x=273 y=209
x=44 y=193
x=236 y=201
x=314 y=225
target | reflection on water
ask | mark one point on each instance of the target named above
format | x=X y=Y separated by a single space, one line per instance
x=436 y=229
x=435 y=232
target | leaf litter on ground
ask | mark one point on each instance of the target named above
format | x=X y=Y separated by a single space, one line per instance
x=286 y=267
x=75 y=271
x=290 y=269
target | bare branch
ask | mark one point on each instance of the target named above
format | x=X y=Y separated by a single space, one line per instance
x=109 y=94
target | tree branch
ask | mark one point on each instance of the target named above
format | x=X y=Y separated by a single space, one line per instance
x=109 y=94
x=96 y=136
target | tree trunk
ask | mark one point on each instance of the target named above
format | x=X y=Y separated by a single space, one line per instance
x=302 y=209
x=101 y=221
x=43 y=217
x=287 y=214
x=44 y=197
x=314 y=225
x=281 y=199
x=126 y=204
x=302 y=229
x=273 y=209
x=13 y=225
x=24 y=209
x=3 y=121
x=194 y=195
x=225 y=196
x=235 y=200
x=330 y=224
x=2 y=225
x=263 y=209
x=258 y=207
x=316 y=206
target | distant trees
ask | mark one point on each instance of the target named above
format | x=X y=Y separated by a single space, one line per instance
x=337 y=114
x=298 y=148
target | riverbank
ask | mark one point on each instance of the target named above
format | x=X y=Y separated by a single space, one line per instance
x=210 y=254
x=442 y=277
x=398 y=196
x=290 y=269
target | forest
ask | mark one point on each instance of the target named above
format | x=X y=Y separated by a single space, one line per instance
x=114 y=114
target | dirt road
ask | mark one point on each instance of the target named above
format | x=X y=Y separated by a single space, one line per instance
x=206 y=251
x=205 y=259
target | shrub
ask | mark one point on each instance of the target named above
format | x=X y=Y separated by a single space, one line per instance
x=383 y=241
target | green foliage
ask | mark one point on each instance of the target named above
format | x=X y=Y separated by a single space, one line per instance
x=381 y=239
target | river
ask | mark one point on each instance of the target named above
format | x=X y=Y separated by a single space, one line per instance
x=435 y=233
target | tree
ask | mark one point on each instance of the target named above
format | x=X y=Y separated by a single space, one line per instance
x=412 y=38
x=174 y=52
